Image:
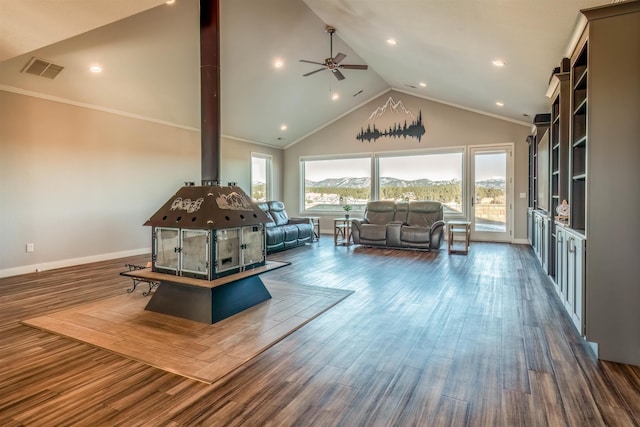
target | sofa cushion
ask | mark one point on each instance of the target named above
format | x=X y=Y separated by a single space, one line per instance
x=415 y=234
x=275 y=235
x=290 y=233
x=380 y=212
x=265 y=208
x=373 y=232
x=278 y=213
x=305 y=231
x=424 y=213
x=402 y=208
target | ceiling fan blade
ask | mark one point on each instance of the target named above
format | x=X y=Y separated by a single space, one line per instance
x=312 y=62
x=354 y=67
x=338 y=74
x=313 y=72
x=339 y=58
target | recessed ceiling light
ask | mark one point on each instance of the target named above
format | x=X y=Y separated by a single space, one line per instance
x=283 y=127
x=392 y=42
x=170 y=1
x=335 y=96
x=278 y=63
x=95 y=68
x=500 y=104
x=498 y=63
x=422 y=84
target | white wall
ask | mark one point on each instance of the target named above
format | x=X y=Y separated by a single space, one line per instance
x=79 y=183
x=445 y=126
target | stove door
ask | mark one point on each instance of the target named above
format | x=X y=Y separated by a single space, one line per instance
x=227 y=249
x=167 y=249
x=253 y=244
x=195 y=253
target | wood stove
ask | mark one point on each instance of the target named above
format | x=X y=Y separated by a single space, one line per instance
x=207 y=232
x=208 y=241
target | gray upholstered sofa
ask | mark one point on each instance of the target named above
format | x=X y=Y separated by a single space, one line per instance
x=284 y=232
x=411 y=225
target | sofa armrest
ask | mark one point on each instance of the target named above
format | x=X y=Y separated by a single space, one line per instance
x=355 y=229
x=437 y=235
x=300 y=220
x=393 y=233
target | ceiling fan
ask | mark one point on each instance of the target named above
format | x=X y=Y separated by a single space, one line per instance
x=334 y=63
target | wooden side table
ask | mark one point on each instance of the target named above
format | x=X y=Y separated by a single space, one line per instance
x=459 y=227
x=342 y=231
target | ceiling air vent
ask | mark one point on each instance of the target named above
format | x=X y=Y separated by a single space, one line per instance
x=42 y=68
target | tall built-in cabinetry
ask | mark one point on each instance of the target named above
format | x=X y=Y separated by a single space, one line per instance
x=559 y=162
x=595 y=165
x=538 y=220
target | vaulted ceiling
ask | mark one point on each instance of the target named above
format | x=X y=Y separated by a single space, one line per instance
x=149 y=52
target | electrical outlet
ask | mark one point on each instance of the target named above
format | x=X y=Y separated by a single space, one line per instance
x=30 y=247
x=523 y=195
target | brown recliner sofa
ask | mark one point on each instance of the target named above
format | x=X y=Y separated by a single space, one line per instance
x=408 y=225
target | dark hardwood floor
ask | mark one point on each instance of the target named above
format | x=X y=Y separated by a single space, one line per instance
x=427 y=339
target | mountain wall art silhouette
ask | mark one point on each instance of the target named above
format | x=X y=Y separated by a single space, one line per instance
x=401 y=129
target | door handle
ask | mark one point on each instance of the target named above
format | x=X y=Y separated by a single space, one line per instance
x=472 y=201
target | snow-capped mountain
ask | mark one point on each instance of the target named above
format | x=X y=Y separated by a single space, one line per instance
x=340 y=183
x=391 y=105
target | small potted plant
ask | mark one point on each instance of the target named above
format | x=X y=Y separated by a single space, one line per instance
x=346 y=208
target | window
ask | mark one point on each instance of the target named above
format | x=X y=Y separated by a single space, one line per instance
x=422 y=176
x=260 y=177
x=330 y=184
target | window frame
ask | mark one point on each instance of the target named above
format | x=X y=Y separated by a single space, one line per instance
x=374 y=158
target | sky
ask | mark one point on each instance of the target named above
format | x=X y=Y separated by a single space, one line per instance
x=258 y=170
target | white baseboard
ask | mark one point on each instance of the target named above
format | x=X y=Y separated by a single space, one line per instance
x=70 y=262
